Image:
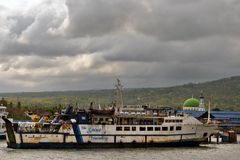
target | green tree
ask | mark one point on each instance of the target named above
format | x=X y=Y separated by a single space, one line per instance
x=3 y=102
x=19 y=105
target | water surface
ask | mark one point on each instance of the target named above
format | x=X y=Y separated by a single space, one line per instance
x=204 y=152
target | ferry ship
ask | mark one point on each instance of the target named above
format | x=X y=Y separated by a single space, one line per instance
x=109 y=128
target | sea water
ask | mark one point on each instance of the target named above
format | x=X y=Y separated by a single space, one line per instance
x=203 y=152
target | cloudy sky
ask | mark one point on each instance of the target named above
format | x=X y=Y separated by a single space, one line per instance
x=50 y=45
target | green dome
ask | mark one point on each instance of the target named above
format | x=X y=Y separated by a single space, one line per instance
x=191 y=102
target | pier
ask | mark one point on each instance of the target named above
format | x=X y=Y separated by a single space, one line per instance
x=229 y=136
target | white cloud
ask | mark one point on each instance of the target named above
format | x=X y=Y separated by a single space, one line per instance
x=20 y=4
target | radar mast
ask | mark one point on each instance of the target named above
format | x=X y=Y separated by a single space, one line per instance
x=119 y=95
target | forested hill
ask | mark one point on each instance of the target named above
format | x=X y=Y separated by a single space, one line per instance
x=225 y=95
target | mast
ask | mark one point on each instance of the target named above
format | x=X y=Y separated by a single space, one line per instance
x=209 y=110
x=119 y=100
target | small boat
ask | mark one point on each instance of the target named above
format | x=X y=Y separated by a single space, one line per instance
x=97 y=129
x=3 y=113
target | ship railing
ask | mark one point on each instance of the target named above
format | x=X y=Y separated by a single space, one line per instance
x=36 y=127
x=3 y=113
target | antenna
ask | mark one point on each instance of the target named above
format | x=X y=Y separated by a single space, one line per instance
x=209 y=110
x=119 y=89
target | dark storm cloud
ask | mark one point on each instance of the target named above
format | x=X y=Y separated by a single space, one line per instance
x=96 y=18
x=175 y=21
x=149 y=49
x=69 y=44
x=21 y=23
x=43 y=47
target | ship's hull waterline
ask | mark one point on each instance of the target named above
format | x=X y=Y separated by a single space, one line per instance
x=60 y=142
x=189 y=143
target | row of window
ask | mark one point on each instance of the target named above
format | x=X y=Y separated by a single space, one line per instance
x=171 y=128
x=173 y=120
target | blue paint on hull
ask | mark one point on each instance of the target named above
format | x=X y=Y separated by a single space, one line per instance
x=77 y=133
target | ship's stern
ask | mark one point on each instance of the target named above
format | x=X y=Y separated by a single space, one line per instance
x=10 y=134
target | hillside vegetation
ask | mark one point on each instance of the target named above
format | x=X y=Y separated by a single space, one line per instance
x=224 y=95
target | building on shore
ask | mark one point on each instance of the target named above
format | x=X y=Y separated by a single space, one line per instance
x=227 y=120
x=193 y=104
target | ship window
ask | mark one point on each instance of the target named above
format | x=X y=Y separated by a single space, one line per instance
x=174 y=121
x=157 y=128
x=205 y=134
x=178 y=128
x=171 y=128
x=150 y=128
x=126 y=128
x=164 y=128
x=166 y=121
x=133 y=128
x=142 y=128
x=180 y=121
x=118 y=128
